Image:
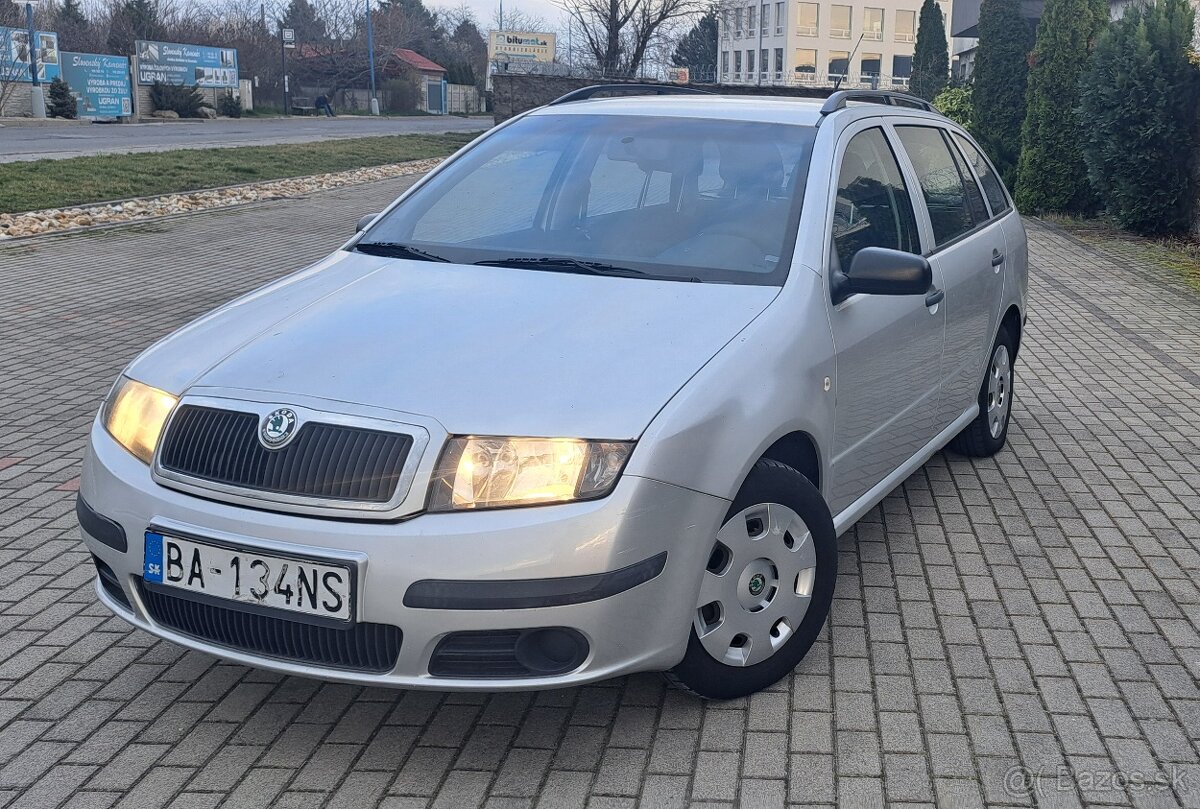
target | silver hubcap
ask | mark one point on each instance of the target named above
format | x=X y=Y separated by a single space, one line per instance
x=757 y=586
x=999 y=389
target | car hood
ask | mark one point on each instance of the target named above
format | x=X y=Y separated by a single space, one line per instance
x=482 y=350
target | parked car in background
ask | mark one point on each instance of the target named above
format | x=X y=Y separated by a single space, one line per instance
x=596 y=396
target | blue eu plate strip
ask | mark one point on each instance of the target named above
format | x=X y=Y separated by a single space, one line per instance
x=152 y=569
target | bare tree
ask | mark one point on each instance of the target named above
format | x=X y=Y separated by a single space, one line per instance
x=516 y=19
x=618 y=34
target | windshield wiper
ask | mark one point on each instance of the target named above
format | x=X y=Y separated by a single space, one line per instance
x=575 y=265
x=397 y=250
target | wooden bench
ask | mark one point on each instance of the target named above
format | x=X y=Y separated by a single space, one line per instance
x=303 y=106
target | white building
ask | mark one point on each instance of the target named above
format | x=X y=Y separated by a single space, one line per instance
x=865 y=45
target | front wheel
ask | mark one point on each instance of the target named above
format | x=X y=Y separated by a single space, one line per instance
x=766 y=588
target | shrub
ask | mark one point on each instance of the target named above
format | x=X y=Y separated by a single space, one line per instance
x=403 y=93
x=1139 y=99
x=931 y=55
x=229 y=105
x=184 y=100
x=1000 y=76
x=955 y=103
x=1051 y=176
x=62 y=103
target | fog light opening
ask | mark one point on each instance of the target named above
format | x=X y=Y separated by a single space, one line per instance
x=551 y=651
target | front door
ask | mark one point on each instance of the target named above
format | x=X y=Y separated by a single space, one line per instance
x=889 y=348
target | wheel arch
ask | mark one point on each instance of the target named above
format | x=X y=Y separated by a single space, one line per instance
x=1012 y=322
x=798 y=450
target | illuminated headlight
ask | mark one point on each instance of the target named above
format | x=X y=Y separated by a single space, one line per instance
x=486 y=472
x=134 y=414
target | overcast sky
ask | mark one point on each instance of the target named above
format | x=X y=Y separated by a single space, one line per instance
x=486 y=10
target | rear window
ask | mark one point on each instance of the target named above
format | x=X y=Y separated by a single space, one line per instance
x=684 y=198
x=987 y=177
x=953 y=200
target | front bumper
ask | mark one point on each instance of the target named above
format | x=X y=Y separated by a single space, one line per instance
x=517 y=556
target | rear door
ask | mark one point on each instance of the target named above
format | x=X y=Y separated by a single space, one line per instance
x=968 y=253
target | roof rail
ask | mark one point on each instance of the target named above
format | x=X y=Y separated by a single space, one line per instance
x=584 y=93
x=838 y=100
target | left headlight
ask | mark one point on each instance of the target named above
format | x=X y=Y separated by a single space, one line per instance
x=134 y=414
x=488 y=472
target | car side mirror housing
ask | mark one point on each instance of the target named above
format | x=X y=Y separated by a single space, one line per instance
x=364 y=222
x=881 y=271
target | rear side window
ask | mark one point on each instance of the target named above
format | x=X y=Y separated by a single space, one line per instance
x=954 y=202
x=872 y=208
x=987 y=177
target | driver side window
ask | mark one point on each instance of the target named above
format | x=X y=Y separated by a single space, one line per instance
x=872 y=208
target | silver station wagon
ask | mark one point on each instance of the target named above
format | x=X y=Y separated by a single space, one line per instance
x=596 y=396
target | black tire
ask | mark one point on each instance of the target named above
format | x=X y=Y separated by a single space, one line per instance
x=977 y=439
x=703 y=675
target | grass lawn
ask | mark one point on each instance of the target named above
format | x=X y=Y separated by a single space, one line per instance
x=78 y=180
x=1177 y=255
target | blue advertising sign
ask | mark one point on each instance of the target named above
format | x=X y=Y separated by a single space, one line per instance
x=14 y=55
x=173 y=63
x=100 y=82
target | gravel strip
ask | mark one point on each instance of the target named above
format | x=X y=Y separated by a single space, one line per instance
x=55 y=220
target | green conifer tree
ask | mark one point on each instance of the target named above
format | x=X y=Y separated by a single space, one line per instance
x=931 y=55
x=1051 y=176
x=998 y=83
x=1139 y=99
x=62 y=103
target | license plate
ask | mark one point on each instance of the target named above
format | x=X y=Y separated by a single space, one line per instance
x=248 y=576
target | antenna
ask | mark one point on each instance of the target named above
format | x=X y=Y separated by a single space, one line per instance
x=849 y=60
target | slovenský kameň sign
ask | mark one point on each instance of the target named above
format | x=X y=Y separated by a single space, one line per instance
x=100 y=82
x=175 y=63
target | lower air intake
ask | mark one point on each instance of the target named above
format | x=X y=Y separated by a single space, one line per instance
x=360 y=647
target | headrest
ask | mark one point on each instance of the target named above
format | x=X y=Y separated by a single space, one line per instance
x=747 y=166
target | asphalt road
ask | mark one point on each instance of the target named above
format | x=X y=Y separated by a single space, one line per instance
x=19 y=142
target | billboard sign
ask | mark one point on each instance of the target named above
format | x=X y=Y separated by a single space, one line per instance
x=173 y=63
x=514 y=46
x=100 y=83
x=14 y=55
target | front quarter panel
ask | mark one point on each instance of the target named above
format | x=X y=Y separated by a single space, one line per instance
x=766 y=383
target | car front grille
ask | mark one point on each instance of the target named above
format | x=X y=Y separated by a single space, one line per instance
x=362 y=647
x=325 y=461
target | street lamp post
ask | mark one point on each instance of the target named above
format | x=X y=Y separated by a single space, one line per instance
x=37 y=97
x=371 y=59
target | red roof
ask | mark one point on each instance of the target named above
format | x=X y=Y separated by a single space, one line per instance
x=417 y=61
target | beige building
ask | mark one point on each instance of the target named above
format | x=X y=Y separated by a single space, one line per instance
x=865 y=43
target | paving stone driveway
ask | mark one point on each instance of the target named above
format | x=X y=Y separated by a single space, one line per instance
x=1009 y=631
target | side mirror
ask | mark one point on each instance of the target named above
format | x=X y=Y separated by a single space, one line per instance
x=881 y=271
x=364 y=222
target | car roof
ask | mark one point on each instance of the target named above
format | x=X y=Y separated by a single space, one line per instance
x=793 y=110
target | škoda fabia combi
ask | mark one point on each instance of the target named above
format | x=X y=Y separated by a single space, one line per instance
x=594 y=397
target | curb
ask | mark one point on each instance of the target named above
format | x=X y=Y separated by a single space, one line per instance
x=16 y=240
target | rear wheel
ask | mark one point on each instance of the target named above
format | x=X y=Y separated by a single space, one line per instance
x=766 y=588
x=987 y=434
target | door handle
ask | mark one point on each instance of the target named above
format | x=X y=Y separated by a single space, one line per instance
x=935 y=297
x=997 y=258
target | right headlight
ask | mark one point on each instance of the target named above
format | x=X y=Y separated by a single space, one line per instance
x=493 y=472
x=134 y=415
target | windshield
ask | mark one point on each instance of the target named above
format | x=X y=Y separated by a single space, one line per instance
x=685 y=199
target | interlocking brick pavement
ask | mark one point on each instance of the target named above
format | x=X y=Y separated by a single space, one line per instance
x=995 y=620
